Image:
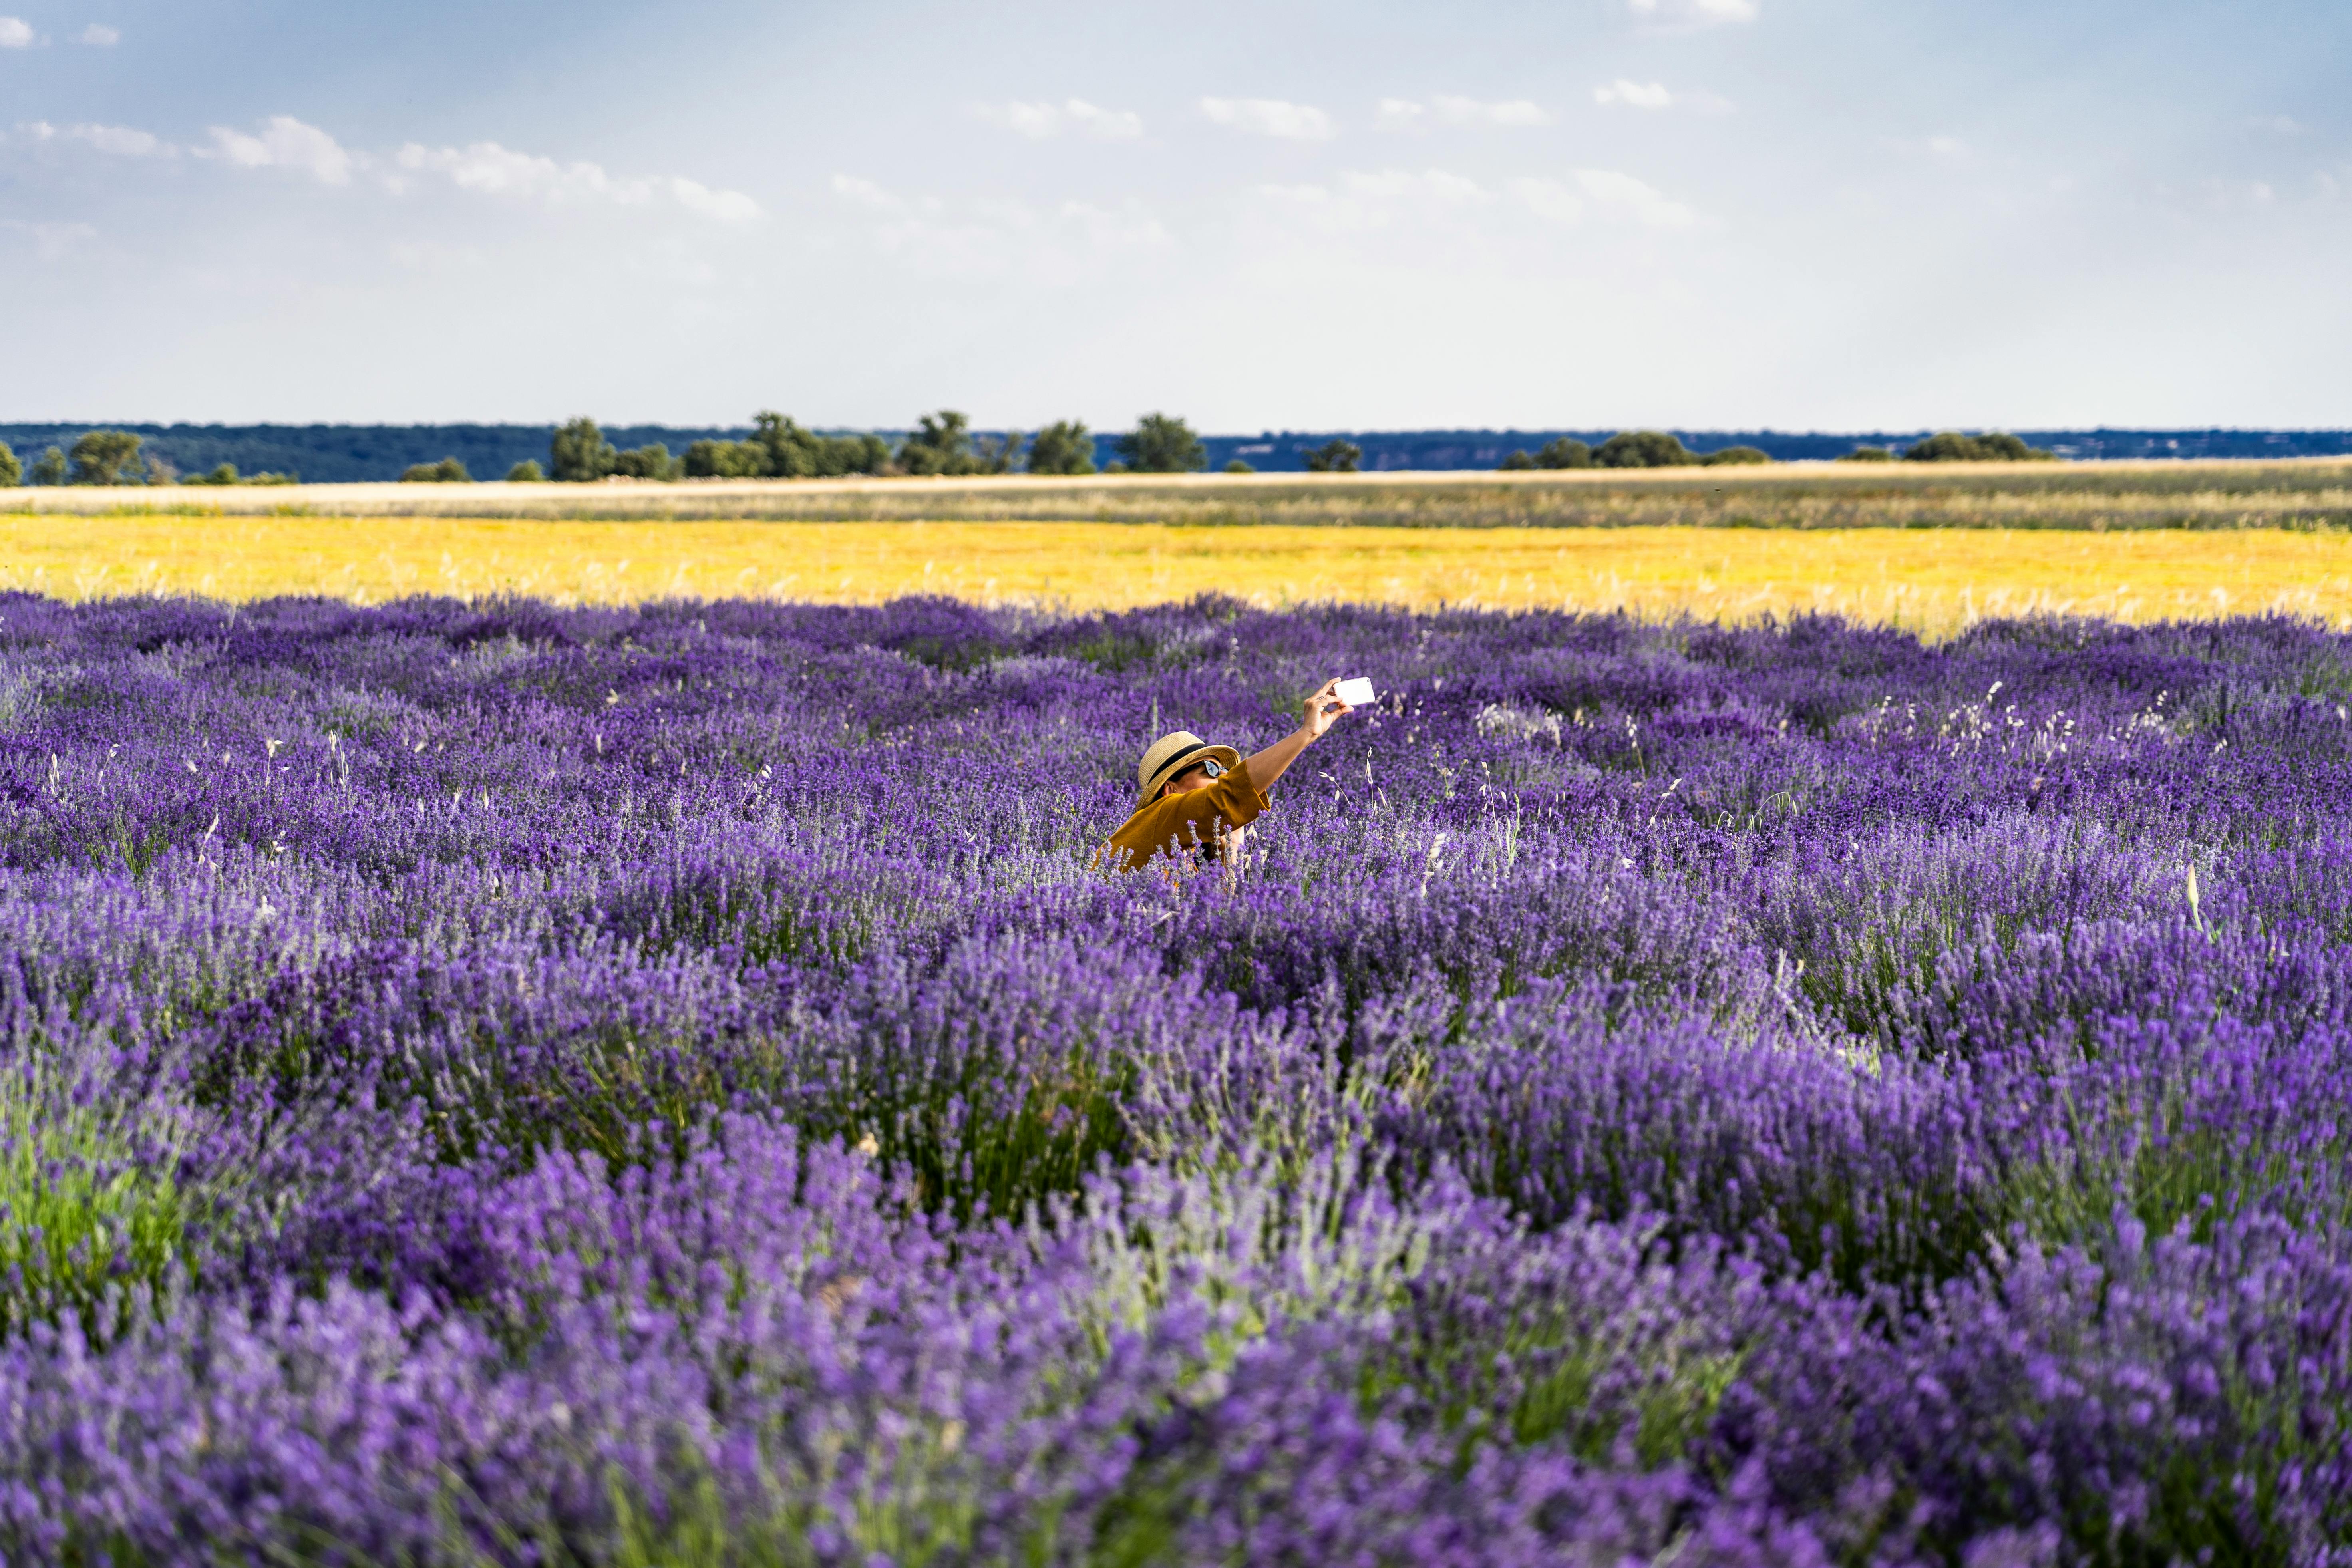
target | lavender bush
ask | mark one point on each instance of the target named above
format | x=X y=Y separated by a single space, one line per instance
x=487 y=1084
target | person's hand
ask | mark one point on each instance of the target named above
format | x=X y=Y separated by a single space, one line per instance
x=1322 y=708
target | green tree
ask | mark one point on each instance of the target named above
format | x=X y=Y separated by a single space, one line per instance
x=726 y=460
x=579 y=454
x=997 y=454
x=218 y=474
x=790 y=452
x=161 y=470
x=1642 y=449
x=448 y=471
x=106 y=458
x=1335 y=456
x=1868 y=454
x=1162 y=444
x=2000 y=447
x=49 y=468
x=11 y=472
x=1564 y=452
x=527 y=472
x=1736 y=455
x=1945 y=447
x=1955 y=446
x=1064 y=447
x=1238 y=467
x=941 y=443
x=1517 y=462
x=652 y=462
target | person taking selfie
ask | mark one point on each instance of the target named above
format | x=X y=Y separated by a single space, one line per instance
x=1196 y=799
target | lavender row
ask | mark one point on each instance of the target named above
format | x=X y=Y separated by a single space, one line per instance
x=498 y=1083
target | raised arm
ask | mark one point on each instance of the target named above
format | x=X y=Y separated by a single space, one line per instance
x=1318 y=713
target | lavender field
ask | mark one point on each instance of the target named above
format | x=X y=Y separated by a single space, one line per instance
x=487 y=1084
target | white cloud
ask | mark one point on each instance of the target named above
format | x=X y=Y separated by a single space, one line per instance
x=285 y=143
x=1547 y=199
x=15 y=33
x=2277 y=124
x=1406 y=114
x=97 y=35
x=1655 y=95
x=120 y=140
x=1433 y=185
x=1362 y=199
x=487 y=169
x=52 y=241
x=1269 y=117
x=1644 y=202
x=1950 y=147
x=1686 y=14
x=1039 y=121
x=723 y=207
x=1635 y=94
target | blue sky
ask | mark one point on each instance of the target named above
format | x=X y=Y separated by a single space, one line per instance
x=1801 y=214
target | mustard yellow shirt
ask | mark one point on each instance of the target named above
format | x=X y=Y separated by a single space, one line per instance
x=1192 y=821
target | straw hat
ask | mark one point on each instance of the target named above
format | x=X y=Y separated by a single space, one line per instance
x=1171 y=755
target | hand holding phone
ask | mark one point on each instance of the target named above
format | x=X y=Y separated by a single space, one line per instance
x=1355 y=692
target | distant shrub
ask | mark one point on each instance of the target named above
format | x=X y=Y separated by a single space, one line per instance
x=726 y=460
x=448 y=471
x=1162 y=444
x=527 y=472
x=1954 y=446
x=1738 y=454
x=1517 y=462
x=49 y=468
x=1334 y=458
x=1643 y=450
x=652 y=462
x=787 y=451
x=106 y=458
x=11 y=472
x=1868 y=454
x=579 y=454
x=941 y=443
x=1238 y=467
x=1064 y=447
x=1564 y=452
x=218 y=474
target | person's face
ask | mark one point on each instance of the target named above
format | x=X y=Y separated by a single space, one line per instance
x=1188 y=781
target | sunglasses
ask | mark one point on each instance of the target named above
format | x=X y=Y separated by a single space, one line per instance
x=1208 y=765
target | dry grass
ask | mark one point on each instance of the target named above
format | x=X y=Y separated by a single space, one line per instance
x=1933 y=580
x=2305 y=493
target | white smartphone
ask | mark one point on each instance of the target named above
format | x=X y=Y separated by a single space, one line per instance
x=1355 y=692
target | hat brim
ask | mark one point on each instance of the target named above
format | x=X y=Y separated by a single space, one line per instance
x=1192 y=757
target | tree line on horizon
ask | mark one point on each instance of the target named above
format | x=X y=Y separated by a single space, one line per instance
x=113 y=458
x=779 y=447
x=943 y=444
x=1662 y=449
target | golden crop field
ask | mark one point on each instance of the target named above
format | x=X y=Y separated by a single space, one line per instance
x=1935 y=581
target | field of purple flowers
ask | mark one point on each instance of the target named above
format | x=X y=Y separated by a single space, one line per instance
x=489 y=1084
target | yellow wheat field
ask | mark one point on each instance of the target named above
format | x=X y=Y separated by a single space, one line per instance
x=1933 y=580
